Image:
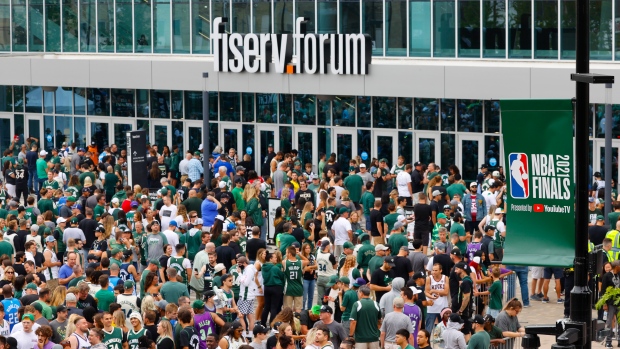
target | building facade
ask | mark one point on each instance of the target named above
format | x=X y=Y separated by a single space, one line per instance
x=90 y=70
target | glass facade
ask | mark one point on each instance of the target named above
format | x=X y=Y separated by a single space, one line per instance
x=495 y=29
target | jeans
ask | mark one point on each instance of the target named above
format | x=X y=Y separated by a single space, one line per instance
x=430 y=321
x=32 y=178
x=263 y=230
x=40 y=182
x=521 y=273
x=308 y=293
x=367 y=218
x=321 y=284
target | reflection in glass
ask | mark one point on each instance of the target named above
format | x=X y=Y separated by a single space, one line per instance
x=425 y=114
x=600 y=30
x=385 y=149
x=324 y=112
x=469 y=115
x=80 y=100
x=35 y=26
x=248 y=142
x=79 y=137
x=262 y=16
x=70 y=23
x=124 y=26
x=193 y=105
x=364 y=116
x=142 y=26
x=304 y=148
x=213 y=136
x=177 y=104
x=494 y=34
x=105 y=19
x=364 y=141
x=142 y=101
x=160 y=104
x=247 y=107
x=241 y=19
x=426 y=149
x=305 y=109
x=448 y=151
x=48 y=101
x=469 y=159
x=161 y=26
x=20 y=25
x=34 y=97
x=286 y=139
x=180 y=26
x=420 y=28
x=88 y=23
x=344 y=149
x=283 y=17
x=18 y=122
x=267 y=107
x=520 y=28
x=213 y=106
x=396 y=27
x=448 y=111
x=5 y=36
x=34 y=130
x=492 y=152
x=344 y=111
x=325 y=142
x=384 y=112
x=52 y=26
x=99 y=101
x=266 y=138
x=405 y=146
x=123 y=102
x=143 y=125
x=614 y=164
x=443 y=29
x=100 y=134
x=160 y=133
x=230 y=109
x=201 y=29
x=372 y=24
x=405 y=113
x=5 y=134
x=469 y=28
x=326 y=17
x=230 y=139
x=6 y=98
x=177 y=136
x=305 y=8
x=349 y=16
x=64 y=130
x=546 y=29
x=491 y=116
x=195 y=138
x=285 y=110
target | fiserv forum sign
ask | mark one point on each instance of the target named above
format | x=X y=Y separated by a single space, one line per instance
x=316 y=53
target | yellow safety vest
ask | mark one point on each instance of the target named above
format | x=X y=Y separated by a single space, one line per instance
x=590 y=247
x=613 y=235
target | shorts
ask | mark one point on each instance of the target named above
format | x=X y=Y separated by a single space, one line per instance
x=537 y=272
x=556 y=272
x=293 y=302
x=174 y=174
x=246 y=306
x=357 y=206
x=422 y=234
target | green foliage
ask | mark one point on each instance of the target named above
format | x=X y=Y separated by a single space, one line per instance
x=611 y=293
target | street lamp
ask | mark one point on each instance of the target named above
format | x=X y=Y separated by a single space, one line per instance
x=205 y=129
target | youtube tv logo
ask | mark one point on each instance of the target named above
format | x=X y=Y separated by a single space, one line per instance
x=539 y=208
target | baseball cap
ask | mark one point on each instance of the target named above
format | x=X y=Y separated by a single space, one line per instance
x=348 y=244
x=456 y=252
x=259 y=329
x=116 y=251
x=499 y=211
x=418 y=275
x=60 y=220
x=440 y=246
x=362 y=165
x=28 y=316
x=198 y=304
x=316 y=309
x=12 y=342
x=381 y=247
x=161 y=304
x=441 y=215
x=218 y=267
x=495 y=173
x=478 y=319
x=275 y=327
x=70 y=297
x=240 y=168
x=590 y=199
x=462 y=265
x=436 y=193
x=127 y=253
x=134 y=204
x=115 y=201
x=417 y=163
x=456 y=318
x=600 y=218
x=397 y=225
x=489 y=318
x=235 y=325
x=597 y=174
x=383 y=160
x=326 y=309
x=398 y=302
x=489 y=227
x=390 y=261
x=332 y=281
x=31 y=286
x=128 y=284
x=198 y=221
x=197 y=153
x=42 y=153
x=324 y=244
x=343 y=210
x=473 y=184
x=37 y=306
x=155 y=262
x=50 y=238
x=71 y=199
x=345 y=280
x=61 y=308
x=484 y=166
x=359 y=282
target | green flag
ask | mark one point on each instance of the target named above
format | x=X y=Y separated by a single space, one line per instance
x=538 y=146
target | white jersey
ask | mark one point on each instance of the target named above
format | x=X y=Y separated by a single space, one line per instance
x=325 y=266
x=247 y=283
x=82 y=343
x=51 y=273
x=5 y=328
x=442 y=301
x=128 y=303
x=37 y=241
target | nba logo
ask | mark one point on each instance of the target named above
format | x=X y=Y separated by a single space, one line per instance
x=519 y=176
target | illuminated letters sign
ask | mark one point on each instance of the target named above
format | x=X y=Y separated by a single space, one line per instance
x=316 y=53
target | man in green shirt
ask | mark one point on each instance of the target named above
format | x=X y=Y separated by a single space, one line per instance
x=354 y=184
x=113 y=337
x=45 y=203
x=612 y=217
x=104 y=296
x=86 y=173
x=314 y=185
x=41 y=170
x=172 y=290
x=348 y=299
x=365 y=252
x=237 y=193
x=293 y=273
x=193 y=203
x=6 y=248
x=286 y=239
x=402 y=339
x=100 y=208
x=455 y=188
x=390 y=218
x=364 y=319
x=110 y=180
x=397 y=238
x=457 y=227
x=50 y=183
x=480 y=339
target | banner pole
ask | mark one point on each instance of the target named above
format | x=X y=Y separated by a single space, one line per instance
x=206 y=149
x=608 y=152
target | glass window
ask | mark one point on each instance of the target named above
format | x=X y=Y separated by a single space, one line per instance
x=324 y=112
x=52 y=26
x=88 y=28
x=35 y=26
x=247 y=107
x=34 y=97
x=70 y=25
x=546 y=29
x=79 y=125
x=18 y=97
x=143 y=125
x=161 y=26
x=213 y=106
x=124 y=26
x=385 y=149
x=241 y=19
x=100 y=134
x=520 y=29
x=201 y=29
x=448 y=112
x=349 y=16
x=425 y=114
x=344 y=111
x=142 y=26
x=286 y=113
x=34 y=130
x=304 y=146
x=384 y=112
x=249 y=144
x=492 y=152
x=600 y=29
x=120 y=135
x=469 y=115
x=79 y=101
x=230 y=103
x=283 y=16
x=469 y=159
x=305 y=109
x=305 y=8
x=19 y=126
x=5 y=135
x=616 y=36
x=262 y=16
x=64 y=100
x=405 y=113
x=405 y=146
x=105 y=19
x=568 y=21
x=365 y=113
x=326 y=17
x=372 y=24
x=64 y=130
x=193 y=105
x=213 y=135
x=443 y=30
x=469 y=28
x=420 y=28
x=600 y=120
x=491 y=116
x=5 y=35
x=100 y=99
x=344 y=149
x=194 y=135
x=364 y=144
x=448 y=151
x=177 y=104
x=177 y=136
x=325 y=141
x=48 y=101
x=494 y=34
x=142 y=101
x=286 y=139
x=20 y=33
x=160 y=104
x=221 y=8
x=6 y=98
x=396 y=27
x=180 y=26
x=267 y=107
x=123 y=102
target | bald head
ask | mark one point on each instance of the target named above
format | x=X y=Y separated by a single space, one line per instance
x=210 y=247
x=7 y=291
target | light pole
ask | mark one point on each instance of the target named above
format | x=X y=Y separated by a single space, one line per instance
x=205 y=129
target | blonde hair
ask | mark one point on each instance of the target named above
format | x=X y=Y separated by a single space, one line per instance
x=73 y=319
x=108 y=225
x=311 y=335
x=58 y=296
x=119 y=320
x=148 y=303
x=307 y=208
x=249 y=192
x=349 y=263
x=167 y=327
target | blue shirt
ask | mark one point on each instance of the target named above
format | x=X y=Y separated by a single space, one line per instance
x=10 y=310
x=194 y=169
x=209 y=211
x=230 y=171
x=64 y=272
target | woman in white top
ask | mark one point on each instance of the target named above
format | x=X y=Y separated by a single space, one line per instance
x=233 y=338
x=261 y=254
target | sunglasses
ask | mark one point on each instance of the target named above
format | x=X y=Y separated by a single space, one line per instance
x=10 y=272
x=193 y=217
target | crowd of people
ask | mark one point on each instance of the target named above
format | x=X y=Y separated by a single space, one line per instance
x=369 y=256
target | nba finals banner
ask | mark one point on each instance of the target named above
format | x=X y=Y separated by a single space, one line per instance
x=538 y=146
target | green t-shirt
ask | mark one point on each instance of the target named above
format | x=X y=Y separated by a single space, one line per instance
x=430 y=176
x=6 y=249
x=133 y=337
x=368 y=201
x=86 y=174
x=41 y=168
x=47 y=310
x=348 y=299
x=55 y=160
x=480 y=340
x=177 y=263
x=354 y=184
x=110 y=182
x=390 y=219
x=51 y=184
x=456 y=188
x=238 y=196
x=366 y=313
x=613 y=218
x=142 y=280
x=459 y=229
x=104 y=299
x=495 y=295
x=98 y=211
x=365 y=254
x=76 y=281
x=286 y=204
x=45 y=205
x=234 y=271
x=396 y=241
x=294 y=278
x=496 y=333
x=374 y=263
x=172 y=291
x=114 y=339
x=286 y=240
x=193 y=204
